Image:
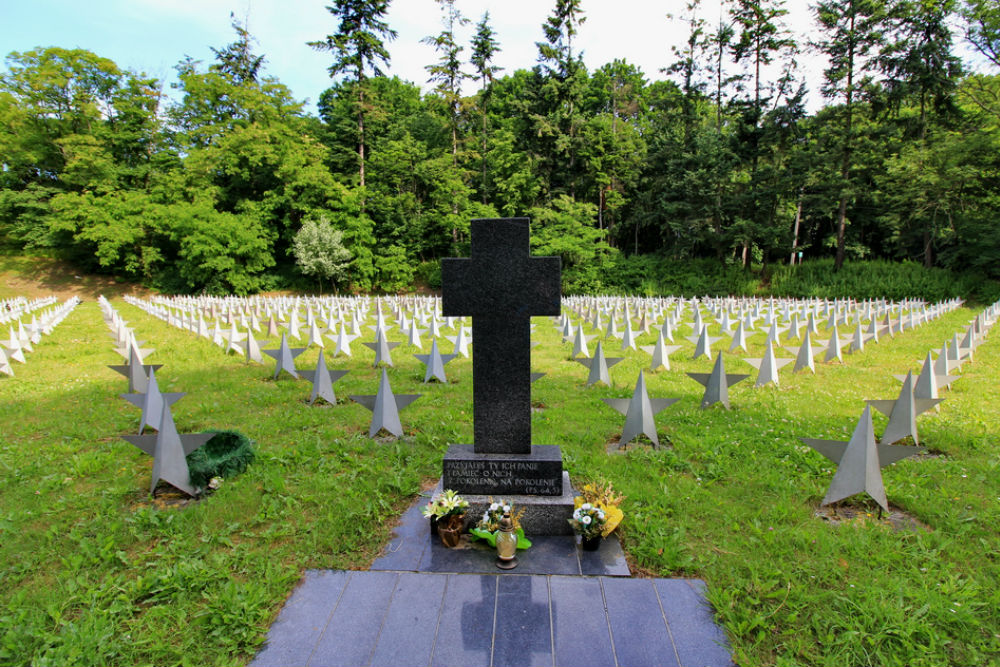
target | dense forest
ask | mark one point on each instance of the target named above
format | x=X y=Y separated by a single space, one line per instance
x=232 y=187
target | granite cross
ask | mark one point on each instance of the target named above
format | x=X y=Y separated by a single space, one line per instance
x=501 y=286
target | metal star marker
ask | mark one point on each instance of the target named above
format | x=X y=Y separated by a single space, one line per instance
x=902 y=412
x=767 y=367
x=152 y=402
x=599 y=366
x=717 y=384
x=702 y=343
x=382 y=348
x=284 y=358
x=136 y=372
x=639 y=412
x=385 y=407
x=859 y=462
x=322 y=380
x=580 y=341
x=435 y=362
x=928 y=381
x=805 y=354
x=169 y=450
x=661 y=353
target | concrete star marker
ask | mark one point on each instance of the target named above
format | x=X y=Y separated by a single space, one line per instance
x=382 y=348
x=322 y=381
x=833 y=347
x=284 y=358
x=858 y=341
x=251 y=349
x=859 y=462
x=136 y=372
x=661 y=353
x=461 y=341
x=944 y=365
x=928 y=381
x=315 y=336
x=628 y=337
x=702 y=344
x=717 y=384
x=169 y=450
x=580 y=341
x=385 y=407
x=902 y=413
x=152 y=402
x=5 y=364
x=639 y=412
x=233 y=338
x=413 y=335
x=435 y=362
x=599 y=366
x=739 y=339
x=805 y=354
x=767 y=367
x=343 y=341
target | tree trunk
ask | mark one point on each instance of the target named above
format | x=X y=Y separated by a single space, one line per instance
x=361 y=132
x=795 y=231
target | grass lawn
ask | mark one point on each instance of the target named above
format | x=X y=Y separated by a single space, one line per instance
x=94 y=572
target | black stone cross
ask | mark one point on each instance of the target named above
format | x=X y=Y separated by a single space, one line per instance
x=501 y=286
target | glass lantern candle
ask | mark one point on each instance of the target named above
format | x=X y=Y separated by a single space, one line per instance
x=506 y=544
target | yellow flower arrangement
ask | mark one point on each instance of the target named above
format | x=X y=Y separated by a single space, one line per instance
x=602 y=496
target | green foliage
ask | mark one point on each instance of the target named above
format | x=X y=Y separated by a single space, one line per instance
x=225 y=455
x=567 y=230
x=875 y=279
x=319 y=251
x=395 y=271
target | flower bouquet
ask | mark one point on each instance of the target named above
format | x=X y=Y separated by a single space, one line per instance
x=489 y=524
x=597 y=514
x=447 y=511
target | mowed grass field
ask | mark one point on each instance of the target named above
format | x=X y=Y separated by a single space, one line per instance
x=94 y=572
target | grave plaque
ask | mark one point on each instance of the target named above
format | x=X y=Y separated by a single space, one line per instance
x=501 y=286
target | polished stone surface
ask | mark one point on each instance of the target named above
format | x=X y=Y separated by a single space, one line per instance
x=346 y=619
x=413 y=549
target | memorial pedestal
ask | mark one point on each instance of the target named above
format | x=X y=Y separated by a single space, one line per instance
x=533 y=482
x=543 y=515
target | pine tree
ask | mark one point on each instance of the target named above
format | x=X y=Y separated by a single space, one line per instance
x=358 y=48
x=484 y=48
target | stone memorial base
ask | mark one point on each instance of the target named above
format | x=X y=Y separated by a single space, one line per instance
x=536 y=474
x=543 y=515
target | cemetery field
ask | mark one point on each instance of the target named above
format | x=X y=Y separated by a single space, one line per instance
x=92 y=571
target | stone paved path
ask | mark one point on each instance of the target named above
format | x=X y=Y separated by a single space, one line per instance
x=424 y=605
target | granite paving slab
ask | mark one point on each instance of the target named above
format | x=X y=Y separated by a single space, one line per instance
x=360 y=619
x=413 y=549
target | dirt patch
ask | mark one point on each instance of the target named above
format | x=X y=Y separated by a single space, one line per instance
x=848 y=514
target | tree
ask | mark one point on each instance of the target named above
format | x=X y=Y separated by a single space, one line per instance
x=319 y=251
x=447 y=71
x=559 y=120
x=484 y=48
x=237 y=59
x=358 y=47
x=852 y=34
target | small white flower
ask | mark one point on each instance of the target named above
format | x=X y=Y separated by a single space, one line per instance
x=486 y=517
x=585 y=506
x=494 y=507
x=600 y=515
x=506 y=508
x=585 y=520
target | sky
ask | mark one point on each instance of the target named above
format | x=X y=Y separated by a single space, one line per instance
x=152 y=36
